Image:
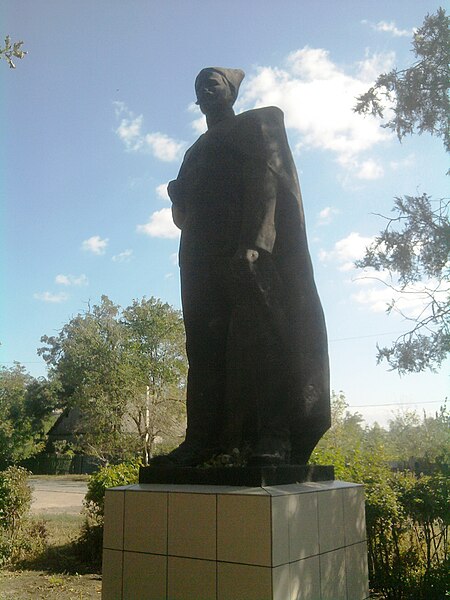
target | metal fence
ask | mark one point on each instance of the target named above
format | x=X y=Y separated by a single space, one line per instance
x=50 y=464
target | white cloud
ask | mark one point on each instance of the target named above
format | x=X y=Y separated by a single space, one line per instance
x=160 y=225
x=120 y=108
x=347 y=250
x=50 y=297
x=71 y=279
x=129 y=131
x=404 y=163
x=159 y=144
x=390 y=27
x=317 y=97
x=370 y=169
x=95 y=244
x=168 y=276
x=199 y=123
x=373 y=65
x=413 y=301
x=326 y=215
x=164 y=147
x=376 y=299
x=174 y=258
x=378 y=289
x=161 y=191
x=124 y=256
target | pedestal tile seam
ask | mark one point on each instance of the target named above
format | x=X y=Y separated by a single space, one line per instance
x=123 y=541
x=167 y=545
x=217 y=547
x=271 y=543
x=234 y=562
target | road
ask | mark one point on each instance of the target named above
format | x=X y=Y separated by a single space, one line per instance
x=52 y=496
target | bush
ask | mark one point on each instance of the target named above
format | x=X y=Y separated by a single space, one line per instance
x=20 y=535
x=89 y=544
x=107 y=477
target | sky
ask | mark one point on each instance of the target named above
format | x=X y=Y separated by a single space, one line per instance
x=95 y=121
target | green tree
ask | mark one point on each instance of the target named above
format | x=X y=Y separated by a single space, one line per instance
x=26 y=405
x=10 y=51
x=417 y=96
x=155 y=338
x=415 y=244
x=426 y=439
x=407 y=516
x=417 y=252
x=124 y=370
x=342 y=443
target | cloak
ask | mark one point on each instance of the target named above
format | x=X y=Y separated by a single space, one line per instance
x=247 y=162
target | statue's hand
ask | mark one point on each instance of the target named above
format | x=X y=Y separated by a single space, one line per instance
x=173 y=191
x=183 y=188
x=243 y=263
x=178 y=216
x=248 y=255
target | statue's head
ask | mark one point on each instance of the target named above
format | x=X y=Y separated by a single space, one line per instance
x=217 y=88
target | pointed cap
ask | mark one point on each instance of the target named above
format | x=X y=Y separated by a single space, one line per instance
x=234 y=77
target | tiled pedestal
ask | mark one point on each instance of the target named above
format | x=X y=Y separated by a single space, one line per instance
x=195 y=542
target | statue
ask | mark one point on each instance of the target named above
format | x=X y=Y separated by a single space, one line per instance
x=255 y=331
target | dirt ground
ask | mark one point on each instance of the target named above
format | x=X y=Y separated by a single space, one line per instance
x=39 y=585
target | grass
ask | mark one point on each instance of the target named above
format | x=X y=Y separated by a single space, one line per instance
x=59 y=478
x=60 y=572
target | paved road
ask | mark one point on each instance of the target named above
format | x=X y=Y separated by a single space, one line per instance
x=57 y=496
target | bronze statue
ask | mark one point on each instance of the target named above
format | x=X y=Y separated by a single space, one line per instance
x=256 y=338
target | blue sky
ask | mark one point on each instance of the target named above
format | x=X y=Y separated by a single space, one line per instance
x=97 y=116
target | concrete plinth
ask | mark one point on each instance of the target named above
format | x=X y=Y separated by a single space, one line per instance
x=197 y=542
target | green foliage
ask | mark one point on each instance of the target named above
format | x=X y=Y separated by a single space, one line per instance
x=104 y=478
x=417 y=251
x=19 y=535
x=89 y=543
x=10 y=51
x=419 y=100
x=125 y=371
x=427 y=438
x=407 y=516
x=418 y=96
x=15 y=497
x=25 y=408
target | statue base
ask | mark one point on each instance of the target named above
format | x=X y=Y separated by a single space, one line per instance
x=302 y=541
x=237 y=476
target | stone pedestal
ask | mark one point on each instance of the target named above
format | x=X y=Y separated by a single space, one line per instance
x=197 y=542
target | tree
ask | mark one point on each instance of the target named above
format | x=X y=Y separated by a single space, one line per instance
x=425 y=439
x=419 y=250
x=407 y=516
x=155 y=337
x=124 y=370
x=342 y=442
x=8 y=52
x=26 y=405
x=418 y=95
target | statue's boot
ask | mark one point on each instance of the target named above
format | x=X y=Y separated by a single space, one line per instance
x=270 y=451
x=188 y=454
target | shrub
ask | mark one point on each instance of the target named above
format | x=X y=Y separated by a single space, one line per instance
x=20 y=535
x=89 y=543
x=107 y=477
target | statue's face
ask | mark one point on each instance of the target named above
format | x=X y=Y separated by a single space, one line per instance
x=213 y=92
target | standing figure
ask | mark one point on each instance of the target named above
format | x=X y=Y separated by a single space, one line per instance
x=255 y=331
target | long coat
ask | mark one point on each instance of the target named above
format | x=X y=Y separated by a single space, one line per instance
x=238 y=188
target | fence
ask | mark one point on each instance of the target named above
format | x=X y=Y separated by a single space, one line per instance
x=50 y=464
